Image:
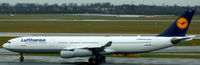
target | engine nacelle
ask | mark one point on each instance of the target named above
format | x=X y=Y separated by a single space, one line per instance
x=75 y=53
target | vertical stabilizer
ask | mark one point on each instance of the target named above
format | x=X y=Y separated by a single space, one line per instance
x=180 y=25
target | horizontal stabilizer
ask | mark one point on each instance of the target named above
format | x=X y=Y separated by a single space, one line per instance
x=180 y=40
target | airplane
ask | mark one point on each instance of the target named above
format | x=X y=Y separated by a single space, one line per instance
x=96 y=47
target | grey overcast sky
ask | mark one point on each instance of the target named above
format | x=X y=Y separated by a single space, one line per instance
x=116 y=2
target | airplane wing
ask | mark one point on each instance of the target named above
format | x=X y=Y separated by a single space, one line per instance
x=87 y=50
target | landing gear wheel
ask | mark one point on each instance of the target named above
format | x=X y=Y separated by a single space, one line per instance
x=103 y=59
x=91 y=60
x=21 y=57
x=97 y=60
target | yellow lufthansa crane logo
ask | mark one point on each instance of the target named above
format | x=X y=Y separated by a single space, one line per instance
x=182 y=23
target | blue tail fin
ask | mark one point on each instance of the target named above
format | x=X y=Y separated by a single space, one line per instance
x=180 y=25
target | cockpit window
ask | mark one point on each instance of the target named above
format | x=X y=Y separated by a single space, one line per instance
x=9 y=42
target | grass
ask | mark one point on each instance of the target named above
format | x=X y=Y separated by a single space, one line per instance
x=90 y=27
x=74 y=27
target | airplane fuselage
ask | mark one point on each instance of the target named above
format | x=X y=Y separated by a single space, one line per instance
x=126 y=44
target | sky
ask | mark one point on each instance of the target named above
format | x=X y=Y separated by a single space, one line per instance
x=116 y=2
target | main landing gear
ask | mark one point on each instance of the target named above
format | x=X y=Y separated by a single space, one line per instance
x=21 y=57
x=97 y=59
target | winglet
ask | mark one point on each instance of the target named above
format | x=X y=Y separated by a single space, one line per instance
x=108 y=44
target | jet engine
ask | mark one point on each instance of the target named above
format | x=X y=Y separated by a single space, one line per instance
x=75 y=53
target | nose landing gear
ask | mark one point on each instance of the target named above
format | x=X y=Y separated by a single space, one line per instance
x=21 y=57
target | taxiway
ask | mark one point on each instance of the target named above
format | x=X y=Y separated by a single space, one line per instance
x=56 y=60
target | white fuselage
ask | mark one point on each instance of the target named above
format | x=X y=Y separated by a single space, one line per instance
x=127 y=44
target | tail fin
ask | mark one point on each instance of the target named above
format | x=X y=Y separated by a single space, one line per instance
x=180 y=25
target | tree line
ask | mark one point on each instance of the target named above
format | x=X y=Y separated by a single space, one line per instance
x=92 y=8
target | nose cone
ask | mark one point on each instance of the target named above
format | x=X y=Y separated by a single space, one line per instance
x=5 y=45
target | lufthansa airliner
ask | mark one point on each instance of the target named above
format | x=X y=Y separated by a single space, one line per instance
x=97 y=46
